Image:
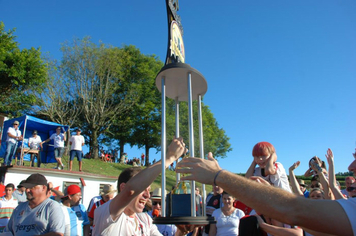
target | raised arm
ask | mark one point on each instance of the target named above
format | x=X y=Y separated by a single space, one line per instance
x=323 y=215
x=316 y=165
x=293 y=180
x=251 y=169
x=143 y=179
x=332 y=180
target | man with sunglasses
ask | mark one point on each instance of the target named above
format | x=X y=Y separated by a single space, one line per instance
x=352 y=190
x=13 y=136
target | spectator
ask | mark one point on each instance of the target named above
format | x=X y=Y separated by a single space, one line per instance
x=39 y=215
x=35 y=144
x=349 y=180
x=76 y=217
x=13 y=136
x=264 y=155
x=142 y=159
x=7 y=205
x=325 y=216
x=198 y=202
x=76 y=150
x=124 y=213
x=227 y=218
x=106 y=195
x=20 y=193
x=156 y=198
x=58 y=142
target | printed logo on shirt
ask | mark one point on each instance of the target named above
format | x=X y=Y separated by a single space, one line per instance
x=215 y=202
x=79 y=214
x=21 y=213
x=38 y=213
x=26 y=228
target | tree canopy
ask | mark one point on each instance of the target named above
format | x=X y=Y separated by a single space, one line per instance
x=22 y=73
x=110 y=93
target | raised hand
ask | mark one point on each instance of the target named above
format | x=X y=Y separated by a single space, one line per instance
x=294 y=166
x=199 y=169
x=329 y=156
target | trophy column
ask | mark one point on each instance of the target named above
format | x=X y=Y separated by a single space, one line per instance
x=182 y=83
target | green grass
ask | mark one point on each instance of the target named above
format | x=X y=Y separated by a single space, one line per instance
x=113 y=169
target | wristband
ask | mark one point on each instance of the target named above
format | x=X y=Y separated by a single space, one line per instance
x=217 y=176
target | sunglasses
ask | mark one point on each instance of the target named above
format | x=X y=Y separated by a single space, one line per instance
x=155 y=203
x=350 y=189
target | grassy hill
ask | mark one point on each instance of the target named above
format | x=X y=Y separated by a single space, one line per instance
x=114 y=169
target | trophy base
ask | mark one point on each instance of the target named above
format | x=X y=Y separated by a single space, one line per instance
x=185 y=220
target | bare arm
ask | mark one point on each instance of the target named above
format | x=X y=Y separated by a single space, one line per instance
x=86 y=230
x=324 y=182
x=251 y=169
x=143 y=179
x=278 y=231
x=293 y=180
x=213 y=230
x=323 y=215
x=332 y=180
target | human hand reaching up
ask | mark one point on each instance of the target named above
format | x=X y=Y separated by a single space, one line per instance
x=294 y=166
x=329 y=156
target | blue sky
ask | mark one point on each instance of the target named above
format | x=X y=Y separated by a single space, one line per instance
x=277 y=71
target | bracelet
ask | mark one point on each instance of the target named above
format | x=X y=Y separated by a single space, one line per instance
x=217 y=176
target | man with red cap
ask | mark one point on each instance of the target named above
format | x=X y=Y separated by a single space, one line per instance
x=39 y=215
x=76 y=217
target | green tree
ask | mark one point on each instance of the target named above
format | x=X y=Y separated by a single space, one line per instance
x=215 y=139
x=97 y=80
x=141 y=125
x=57 y=102
x=22 y=73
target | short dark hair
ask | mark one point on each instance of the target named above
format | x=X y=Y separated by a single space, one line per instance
x=10 y=186
x=126 y=175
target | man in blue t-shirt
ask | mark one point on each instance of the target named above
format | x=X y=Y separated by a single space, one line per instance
x=39 y=215
x=76 y=217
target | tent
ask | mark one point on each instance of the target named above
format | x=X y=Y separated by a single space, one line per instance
x=27 y=124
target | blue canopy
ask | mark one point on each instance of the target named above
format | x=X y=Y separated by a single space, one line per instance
x=27 y=125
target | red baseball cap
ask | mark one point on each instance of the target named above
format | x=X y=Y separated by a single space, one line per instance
x=71 y=190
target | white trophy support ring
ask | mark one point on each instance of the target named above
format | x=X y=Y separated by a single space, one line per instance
x=181 y=82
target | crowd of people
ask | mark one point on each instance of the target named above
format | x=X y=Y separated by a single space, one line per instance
x=266 y=201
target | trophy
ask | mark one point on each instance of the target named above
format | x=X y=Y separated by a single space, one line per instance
x=181 y=82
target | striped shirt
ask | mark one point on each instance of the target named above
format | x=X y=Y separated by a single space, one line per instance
x=6 y=209
x=75 y=218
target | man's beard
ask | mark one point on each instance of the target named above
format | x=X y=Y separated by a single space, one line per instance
x=29 y=197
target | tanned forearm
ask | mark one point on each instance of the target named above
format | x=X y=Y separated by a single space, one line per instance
x=286 y=207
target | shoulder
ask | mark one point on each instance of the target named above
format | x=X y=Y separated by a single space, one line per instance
x=217 y=212
x=239 y=213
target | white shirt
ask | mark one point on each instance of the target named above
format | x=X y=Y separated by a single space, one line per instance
x=34 y=142
x=140 y=224
x=227 y=225
x=77 y=142
x=13 y=131
x=58 y=140
x=349 y=206
x=279 y=179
